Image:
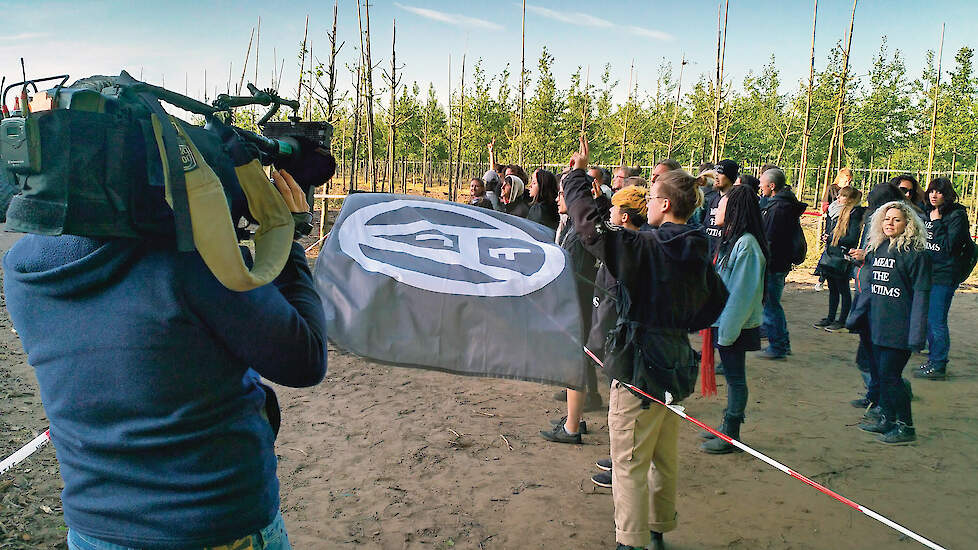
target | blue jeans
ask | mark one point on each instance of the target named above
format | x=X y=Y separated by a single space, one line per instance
x=734 y=370
x=774 y=322
x=938 y=338
x=272 y=537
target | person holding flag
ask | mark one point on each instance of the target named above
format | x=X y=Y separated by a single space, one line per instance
x=666 y=287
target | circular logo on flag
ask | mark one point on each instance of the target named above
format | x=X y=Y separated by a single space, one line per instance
x=448 y=248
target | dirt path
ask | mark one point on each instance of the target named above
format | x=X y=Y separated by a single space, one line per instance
x=380 y=457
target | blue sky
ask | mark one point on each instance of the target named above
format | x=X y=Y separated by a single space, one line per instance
x=178 y=40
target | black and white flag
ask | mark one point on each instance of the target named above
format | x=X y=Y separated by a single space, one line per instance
x=421 y=282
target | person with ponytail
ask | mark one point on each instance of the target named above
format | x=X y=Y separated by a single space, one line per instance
x=666 y=287
x=895 y=279
x=741 y=258
x=842 y=229
x=947 y=237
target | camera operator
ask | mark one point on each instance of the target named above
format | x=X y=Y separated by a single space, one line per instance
x=149 y=373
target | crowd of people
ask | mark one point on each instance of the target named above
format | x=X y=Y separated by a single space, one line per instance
x=906 y=251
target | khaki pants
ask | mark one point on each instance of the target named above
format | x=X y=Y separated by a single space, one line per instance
x=645 y=460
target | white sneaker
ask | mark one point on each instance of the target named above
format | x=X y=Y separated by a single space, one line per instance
x=819 y=286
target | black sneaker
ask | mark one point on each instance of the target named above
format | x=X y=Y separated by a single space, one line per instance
x=835 y=327
x=604 y=464
x=823 y=322
x=581 y=426
x=873 y=415
x=559 y=435
x=881 y=426
x=602 y=479
x=931 y=373
x=901 y=434
x=860 y=403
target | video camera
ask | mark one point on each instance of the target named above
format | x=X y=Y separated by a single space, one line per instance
x=102 y=158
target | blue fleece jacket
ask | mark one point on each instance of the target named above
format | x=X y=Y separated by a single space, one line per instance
x=145 y=362
x=743 y=275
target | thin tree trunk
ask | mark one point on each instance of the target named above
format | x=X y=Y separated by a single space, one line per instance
x=302 y=59
x=333 y=50
x=807 y=132
x=245 y=68
x=933 y=120
x=451 y=145
x=628 y=107
x=675 y=112
x=461 y=120
x=370 y=100
x=519 y=139
x=721 y=53
x=356 y=125
x=837 y=131
x=391 y=115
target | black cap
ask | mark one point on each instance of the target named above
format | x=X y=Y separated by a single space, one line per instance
x=728 y=168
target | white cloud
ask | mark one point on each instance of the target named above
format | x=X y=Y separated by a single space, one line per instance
x=649 y=33
x=24 y=36
x=451 y=18
x=573 y=18
x=585 y=20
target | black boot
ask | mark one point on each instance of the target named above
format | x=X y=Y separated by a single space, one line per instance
x=723 y=426
x=901 y=434
x=931 y=373
x=882 y=426
x=718 y=446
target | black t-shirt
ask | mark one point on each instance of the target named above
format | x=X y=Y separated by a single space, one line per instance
x=898 y=284
x=712 y=231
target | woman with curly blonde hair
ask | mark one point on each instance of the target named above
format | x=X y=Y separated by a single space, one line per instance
x=894 y=282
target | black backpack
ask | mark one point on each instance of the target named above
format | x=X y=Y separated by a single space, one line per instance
x=799 y=245
x=965 y=259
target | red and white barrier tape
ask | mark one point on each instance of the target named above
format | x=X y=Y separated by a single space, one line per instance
x=40 y=440
x=770 y=461
x=25 y=451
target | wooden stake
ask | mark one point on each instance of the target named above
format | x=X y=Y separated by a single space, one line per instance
x=807 y=131
x=302 y=60
x=675 y=112
x=519 y=141
x=461 y=119
x=933 y=120
x=245 y=68
x=628 y=106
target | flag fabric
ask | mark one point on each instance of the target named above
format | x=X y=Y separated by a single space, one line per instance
x=419 y=282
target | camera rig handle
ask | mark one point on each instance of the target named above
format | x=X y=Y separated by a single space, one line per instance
x=225 y=102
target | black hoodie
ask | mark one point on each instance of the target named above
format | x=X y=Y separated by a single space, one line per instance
x=945 y=237
x=666 y=273
x=781 y=223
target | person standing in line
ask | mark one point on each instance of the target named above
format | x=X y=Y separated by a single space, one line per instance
x=782 y=227
x=740 y=261
x=947 y=236
x=842 y=228
x=512 y=198
x=478 y=196
x=913 y=192
x=895 y=278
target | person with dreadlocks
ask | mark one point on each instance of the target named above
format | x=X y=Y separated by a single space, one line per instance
x=741 y=258
x=666 y=287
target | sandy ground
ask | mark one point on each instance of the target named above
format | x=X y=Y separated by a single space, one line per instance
x=381 y=457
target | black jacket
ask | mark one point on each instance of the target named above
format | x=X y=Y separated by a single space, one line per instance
x=894 y=292
x=544 y=213
x=666 y=274
x=945 y=237
x=781 y=222
x=585 y=268
x=516 y=208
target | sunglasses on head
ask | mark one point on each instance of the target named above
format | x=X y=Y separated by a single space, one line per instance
x=907 y=190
